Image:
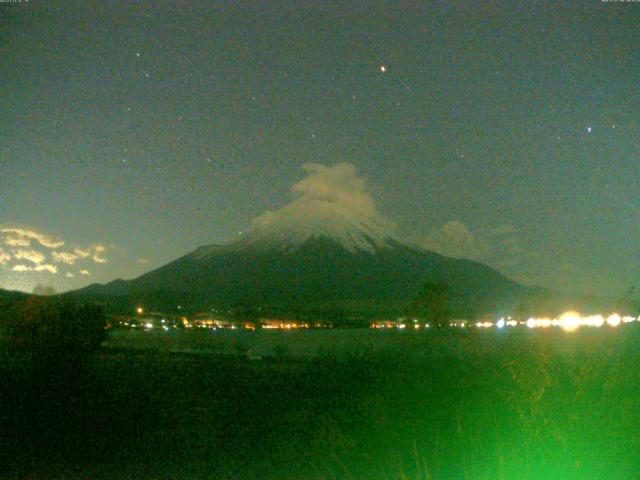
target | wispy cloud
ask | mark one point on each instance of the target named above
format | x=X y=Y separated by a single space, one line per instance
x=98 y=252
x=500 y=247
x=22 y=237
x=25 y=250
x=46 y=268
x=82 y=253
x=17 y=241
x=32 y=256
x=64 y=257
x=4 y=257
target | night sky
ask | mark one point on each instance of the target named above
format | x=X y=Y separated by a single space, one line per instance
x=507 y=132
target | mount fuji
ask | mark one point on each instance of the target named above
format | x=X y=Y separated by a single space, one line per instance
x=327 y=251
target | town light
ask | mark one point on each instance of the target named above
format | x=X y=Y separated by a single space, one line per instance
x=614 y=320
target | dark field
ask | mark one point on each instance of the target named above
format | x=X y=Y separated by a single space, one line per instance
x=484 y=405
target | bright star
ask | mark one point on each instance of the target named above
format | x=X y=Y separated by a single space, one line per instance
x=138 y=54
x=589 y=129
x=383 y=69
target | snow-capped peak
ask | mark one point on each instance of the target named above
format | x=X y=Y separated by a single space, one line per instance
x=331 y=202
x=293 y=225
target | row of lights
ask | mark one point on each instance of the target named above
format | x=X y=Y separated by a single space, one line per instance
x=568 y=321
x=571 y=321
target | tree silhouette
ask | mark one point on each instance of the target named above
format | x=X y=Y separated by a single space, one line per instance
x=45 y=290
x=433 y=303
x=43 y=324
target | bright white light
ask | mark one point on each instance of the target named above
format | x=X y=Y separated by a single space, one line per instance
x=595 y=321
x=614 y=320
x=544 y=322
x=383 y=69
x=500 y=323
x=570 y=321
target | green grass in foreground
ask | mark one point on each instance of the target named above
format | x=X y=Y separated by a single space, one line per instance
x=525 y=405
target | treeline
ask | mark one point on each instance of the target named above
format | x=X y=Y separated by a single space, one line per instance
x=50 y=324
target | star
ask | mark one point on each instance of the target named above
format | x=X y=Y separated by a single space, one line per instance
x=146 y=75
x=383 y=69
x=138 y=54
x=589 y=129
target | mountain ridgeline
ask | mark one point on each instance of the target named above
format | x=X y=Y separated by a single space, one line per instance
x=319 y=276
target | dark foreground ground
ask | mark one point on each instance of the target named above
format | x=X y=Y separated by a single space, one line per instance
x=537 y=405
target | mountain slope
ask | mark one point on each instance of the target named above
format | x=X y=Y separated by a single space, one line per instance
x=320 y=274
x=329 y=250
x=8 y=297
x=12 y=294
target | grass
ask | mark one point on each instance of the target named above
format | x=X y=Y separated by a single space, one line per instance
x=519 y=405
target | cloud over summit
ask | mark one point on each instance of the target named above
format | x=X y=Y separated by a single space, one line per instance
x=336 y=188
x=332 y=201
